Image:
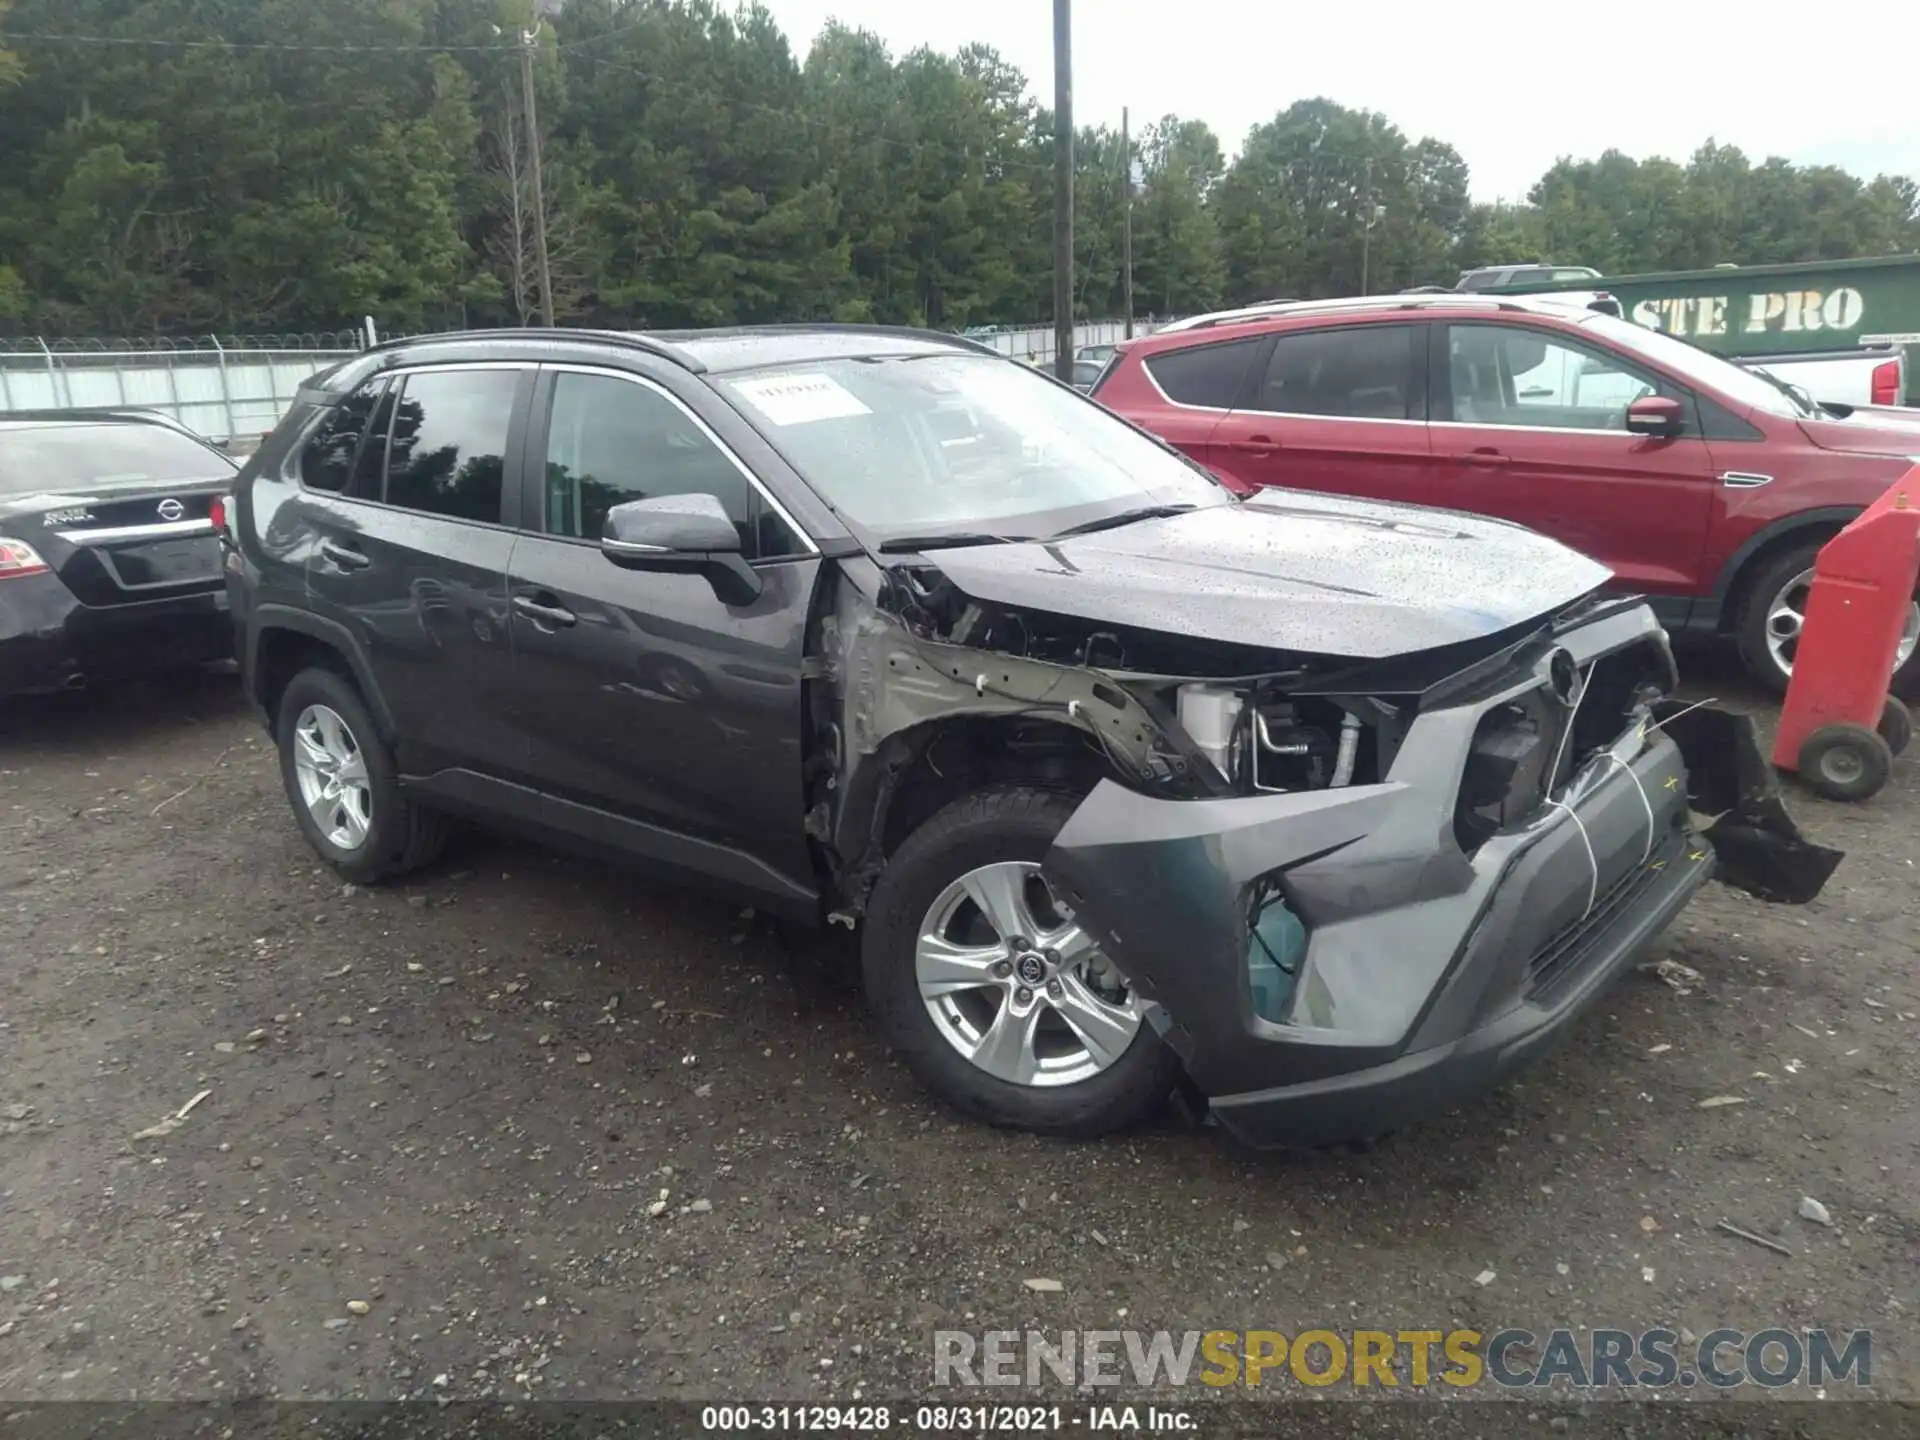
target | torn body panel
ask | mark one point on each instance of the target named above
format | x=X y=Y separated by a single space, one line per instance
x=885 y=693
x=1437 y=957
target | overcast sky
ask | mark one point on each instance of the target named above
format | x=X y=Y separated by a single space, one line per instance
x=1511 y=86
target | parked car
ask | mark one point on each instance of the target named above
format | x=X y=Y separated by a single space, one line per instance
x=1345 y=808
x=1839 y=381
x=108 y=563
x=1701 y=485
x=1085 y=372
x=1493 y=277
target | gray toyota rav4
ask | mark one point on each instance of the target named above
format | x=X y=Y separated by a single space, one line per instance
x=1331 y=812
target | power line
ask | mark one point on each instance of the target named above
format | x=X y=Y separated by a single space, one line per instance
x=297 y=47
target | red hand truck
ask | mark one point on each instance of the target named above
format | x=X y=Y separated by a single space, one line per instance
x=1839 y=728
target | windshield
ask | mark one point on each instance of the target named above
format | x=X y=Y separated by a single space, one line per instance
x=66 y=457
x=924 y=445
x=1691 y=363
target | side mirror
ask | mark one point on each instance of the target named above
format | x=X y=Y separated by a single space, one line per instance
x=1659 y=415
x=681 y=534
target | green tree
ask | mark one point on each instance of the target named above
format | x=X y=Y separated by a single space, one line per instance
x=1177 y=259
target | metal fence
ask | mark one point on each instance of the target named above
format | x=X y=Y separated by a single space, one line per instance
x=226 y=389
x=1035 y=343
x=233 y=389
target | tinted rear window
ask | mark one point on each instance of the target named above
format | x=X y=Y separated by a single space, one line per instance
x=65 y=457
x=1206 y=375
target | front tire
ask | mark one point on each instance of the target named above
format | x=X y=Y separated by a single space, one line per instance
x=996 y=999
x=1767 y=630
x=344 y=788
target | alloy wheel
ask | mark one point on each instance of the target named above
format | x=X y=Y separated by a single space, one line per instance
x=332 y=773
x=1787 y=616
x=1015 y=985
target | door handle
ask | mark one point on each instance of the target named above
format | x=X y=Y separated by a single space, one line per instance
x=1486 y=459
x=345 y=556
x=1255 y=445
x=537 y=610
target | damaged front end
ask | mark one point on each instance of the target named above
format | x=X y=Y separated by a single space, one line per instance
x=1347 y=892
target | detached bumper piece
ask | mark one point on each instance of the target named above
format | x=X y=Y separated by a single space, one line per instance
x=1729 y=780
x=1429 y=971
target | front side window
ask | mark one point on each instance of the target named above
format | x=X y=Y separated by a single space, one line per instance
x=947 y=443
x=1357 y=372
x=1513 y=375
x=447 y=452
x=610 y=441
x=1698 y=367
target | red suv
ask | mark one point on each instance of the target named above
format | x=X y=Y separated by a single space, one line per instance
x=1701 y=485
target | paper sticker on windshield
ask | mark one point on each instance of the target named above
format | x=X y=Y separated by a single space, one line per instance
x=800 y=399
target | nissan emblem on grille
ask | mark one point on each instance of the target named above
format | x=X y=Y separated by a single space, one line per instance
x=171 y=509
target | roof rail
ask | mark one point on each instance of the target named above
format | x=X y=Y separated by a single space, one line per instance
x=632 y=339
x=829 y=327
x=1403 y=301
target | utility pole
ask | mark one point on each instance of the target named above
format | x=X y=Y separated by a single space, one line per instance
x=1063 y=189
x=1366 y=224
x=528 y=39
x=1126 y=224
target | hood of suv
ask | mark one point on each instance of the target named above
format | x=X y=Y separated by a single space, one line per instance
x=1883 y=432
x=1291 y=571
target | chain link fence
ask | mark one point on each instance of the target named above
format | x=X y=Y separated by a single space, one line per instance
x=234 y=388
x=231 y=389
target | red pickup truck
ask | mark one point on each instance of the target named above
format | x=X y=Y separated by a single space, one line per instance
x=1705 y=487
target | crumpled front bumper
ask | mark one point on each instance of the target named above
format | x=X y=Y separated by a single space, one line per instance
x=1429 y=972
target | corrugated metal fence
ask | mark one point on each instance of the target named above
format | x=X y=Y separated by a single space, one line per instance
x=234 y=389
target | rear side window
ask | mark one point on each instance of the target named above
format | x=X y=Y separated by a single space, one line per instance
x=1357 y=372
x=327 y=458
x=1210 y=376
x=447 y=452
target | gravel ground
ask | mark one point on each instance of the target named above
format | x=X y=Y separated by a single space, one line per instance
x=434 y=1123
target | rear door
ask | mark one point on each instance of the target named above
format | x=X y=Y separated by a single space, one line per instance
x=1530 y=426
x=1341 y=409
x=658 y=718
x=408 y=550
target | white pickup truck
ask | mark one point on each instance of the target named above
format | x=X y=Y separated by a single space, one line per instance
x=1849 y=378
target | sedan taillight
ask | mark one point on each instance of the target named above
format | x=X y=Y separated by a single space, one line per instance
x=18 y=559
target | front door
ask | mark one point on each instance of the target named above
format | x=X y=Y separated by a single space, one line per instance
x=408 y=550
x=1530 y=426
x=1341 y=410
x=655 y=716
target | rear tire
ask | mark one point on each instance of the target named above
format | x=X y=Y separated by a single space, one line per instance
x=346 y=795
x=1004 y=832
x=1845 y=762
